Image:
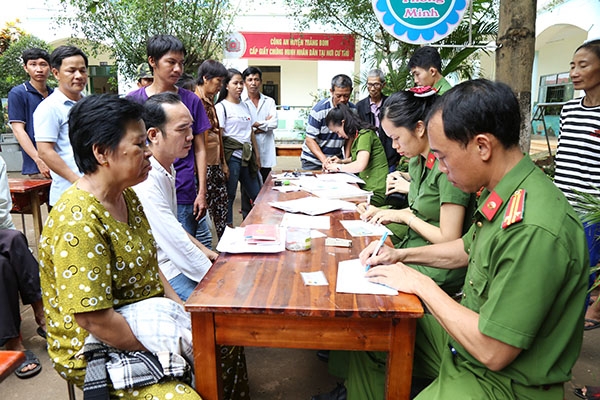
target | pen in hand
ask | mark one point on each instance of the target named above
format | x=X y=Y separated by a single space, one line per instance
x=377 y=248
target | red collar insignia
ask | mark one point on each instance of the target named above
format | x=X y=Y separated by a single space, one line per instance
x=515 y=208
x=430 y=161
x=491 y=205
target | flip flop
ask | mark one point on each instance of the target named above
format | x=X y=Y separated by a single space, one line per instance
x=591 y=392
x=594 y=324
x=40 y=331
x=30 y=358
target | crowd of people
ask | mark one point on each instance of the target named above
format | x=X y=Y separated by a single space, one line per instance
x=138 y=180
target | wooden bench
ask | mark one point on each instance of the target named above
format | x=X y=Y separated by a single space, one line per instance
x=9 y=361
x=288 y=150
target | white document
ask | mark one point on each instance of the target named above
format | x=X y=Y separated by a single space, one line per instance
x=340 y=177
x=330 y=189
x=234 y=241
x=310 y=205
x=306 y=221
x=351 y=279
x=358 y=228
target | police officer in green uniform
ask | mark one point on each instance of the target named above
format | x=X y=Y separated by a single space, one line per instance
x=438 y=211
x=518 y=330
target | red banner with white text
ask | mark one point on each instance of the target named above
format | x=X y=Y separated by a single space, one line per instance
x=291 y=46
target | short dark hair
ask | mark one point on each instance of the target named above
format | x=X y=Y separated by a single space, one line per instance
x=62 y=52
x=99 y=120
x=252 y=71
x=231 y=72
x=159 y=45
x=154 y=114
x=480 y=106
x=593 y=46
x=426 y=57
x=34 y=54
x=404 y=109
x=211 y=69
x=341 y=81
x=352 y=123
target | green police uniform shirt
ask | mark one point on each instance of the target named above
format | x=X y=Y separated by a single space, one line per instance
x=376 y=171
x=442 y=86
x=429 y=190
x=89 y=261
x=528 y=279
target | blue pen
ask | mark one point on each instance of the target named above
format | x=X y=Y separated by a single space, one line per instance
x=377 y=248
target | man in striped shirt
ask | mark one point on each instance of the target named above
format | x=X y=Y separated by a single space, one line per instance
x=320 y=143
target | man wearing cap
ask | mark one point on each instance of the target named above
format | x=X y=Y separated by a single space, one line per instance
x=144 y=75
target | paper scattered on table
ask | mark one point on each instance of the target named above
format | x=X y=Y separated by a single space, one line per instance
x=287 y=188
x=306 y=221
x=351 y=279
x=362 y=228
x=233 y=241
x=311 y=205
x=315 y=234
x=314 y=278
x=330 y=189
x=340 y=177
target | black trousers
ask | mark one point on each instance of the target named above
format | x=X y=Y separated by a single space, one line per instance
x=19 y=277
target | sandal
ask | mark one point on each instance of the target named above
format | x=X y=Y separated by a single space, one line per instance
x=591 y=392
x=30 y=358
x=41 y=331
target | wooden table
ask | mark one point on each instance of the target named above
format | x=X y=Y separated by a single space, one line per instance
x=27 y=197
x=260 y=300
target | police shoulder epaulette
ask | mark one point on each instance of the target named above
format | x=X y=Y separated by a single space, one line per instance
x=515 y=209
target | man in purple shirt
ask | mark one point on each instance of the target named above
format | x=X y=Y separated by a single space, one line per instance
x=166 y=54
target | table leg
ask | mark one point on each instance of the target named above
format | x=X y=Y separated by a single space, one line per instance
x=36 y=213
x=400 y=358
x=207 y=357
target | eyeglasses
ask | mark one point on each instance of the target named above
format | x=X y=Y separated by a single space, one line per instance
x=374 y=85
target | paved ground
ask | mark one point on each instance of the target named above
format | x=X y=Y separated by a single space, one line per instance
x=274 y=373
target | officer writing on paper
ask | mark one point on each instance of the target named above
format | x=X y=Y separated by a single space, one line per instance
x=517 y=331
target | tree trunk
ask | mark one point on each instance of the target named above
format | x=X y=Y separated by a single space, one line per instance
x=514 y=58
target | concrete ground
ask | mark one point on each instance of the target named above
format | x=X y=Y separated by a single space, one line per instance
x=274 y=373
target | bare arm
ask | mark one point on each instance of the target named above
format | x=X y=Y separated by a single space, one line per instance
x=26 y=144
x=111 y=328
x=200 y=159
x=315 y=149
x=362 y=160
x=447 y=255
x=55 y=162
x=460 y=322
x=451 y=224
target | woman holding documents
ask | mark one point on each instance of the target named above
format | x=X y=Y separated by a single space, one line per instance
x=367 y=157
x=437 y=210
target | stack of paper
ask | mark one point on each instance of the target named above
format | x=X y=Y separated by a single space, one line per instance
x=331 y=189
x=312 y=205
x=351 y=279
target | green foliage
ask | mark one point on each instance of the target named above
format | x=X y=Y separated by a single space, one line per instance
x=381 y=50
x=9 y=34
x=11 y=65
x=123 y=26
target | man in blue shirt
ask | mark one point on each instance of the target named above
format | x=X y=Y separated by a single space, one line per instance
x=320 y=143
x=22 y=102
